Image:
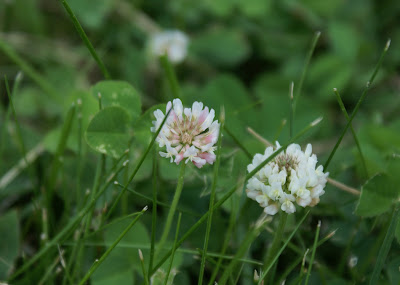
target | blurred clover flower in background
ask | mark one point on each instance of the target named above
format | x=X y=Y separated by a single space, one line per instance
x=188 y=133
x=173 y=43
x=291 y=177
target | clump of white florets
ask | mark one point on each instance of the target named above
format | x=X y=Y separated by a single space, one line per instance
x=291 y=177
x=172 y=43
x=188 y=133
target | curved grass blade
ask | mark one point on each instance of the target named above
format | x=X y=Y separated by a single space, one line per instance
x=108 y=251
x=353 y=114
x=85 y=39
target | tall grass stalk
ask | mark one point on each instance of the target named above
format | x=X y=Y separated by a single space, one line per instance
x=275 y=258
x=212 y=198
x=85 y=39
x=233 y=189
x=154 y=212
x=139 y=164
x=251 y=235
x=144 y=272
x=173 y=248
x=108 y=251
x=278 y=237
x=228 y=233
x=31 y=72
x=67 y=230
x=360 y=100
x=313 y=252
x=344 y=111
x=305 y=68
x=387 y=242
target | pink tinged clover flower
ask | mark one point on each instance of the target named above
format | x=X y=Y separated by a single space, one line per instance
x=189 y=134
x=291 y=178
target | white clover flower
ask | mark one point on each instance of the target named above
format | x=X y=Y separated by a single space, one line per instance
x=291 y=177
x=173 y=43
x=188 y=134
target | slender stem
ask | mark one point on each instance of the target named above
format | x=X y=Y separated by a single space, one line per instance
x=278 y=237
x=141 y=160
x=344 y=111
x=31 y=72
x=251 y=235
x=158 y=202
x=154 y=212
x=303 y=74
x=264 y=274
x=232 y=222
x=108 y=251
x=171 y=76
x=145 y=275
x=353 y=114
x=67 y=230
x=85 y=39
x=212 y=200
x=239 y=144
x=173 y=249
x=313 y=252
x=233 y=189
x=174 y=204
x=291 y=117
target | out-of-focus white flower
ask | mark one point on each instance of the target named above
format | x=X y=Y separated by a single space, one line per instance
x=158 y=278
x=291 y=177
x=189 y=133
x=173 y=43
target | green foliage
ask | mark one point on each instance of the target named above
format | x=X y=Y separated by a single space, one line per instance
x=121 y=94
x=108 y=131
x=242 y=55
x=377 y=196
x=10 y=242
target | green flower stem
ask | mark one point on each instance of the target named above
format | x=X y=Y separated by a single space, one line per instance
x=171 y=76
x=232 y=190
x=275 y=258
x=353 y=114
x=108 y=251
x=85 y=39
x=212 y=200
x=313 y=252
x=174 y=204
x=278 y=237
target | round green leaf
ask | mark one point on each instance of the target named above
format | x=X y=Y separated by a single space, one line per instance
x=108 y=131
x=119 y=93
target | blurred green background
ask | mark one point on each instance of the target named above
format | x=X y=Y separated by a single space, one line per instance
x=242 y=55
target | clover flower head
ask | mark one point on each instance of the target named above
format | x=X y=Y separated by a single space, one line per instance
x=188 y=134
x=173 y=43
x=292 y=177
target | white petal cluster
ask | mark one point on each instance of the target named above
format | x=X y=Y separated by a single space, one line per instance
x=292 y=177
x=173 y=43
x=188 y=134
